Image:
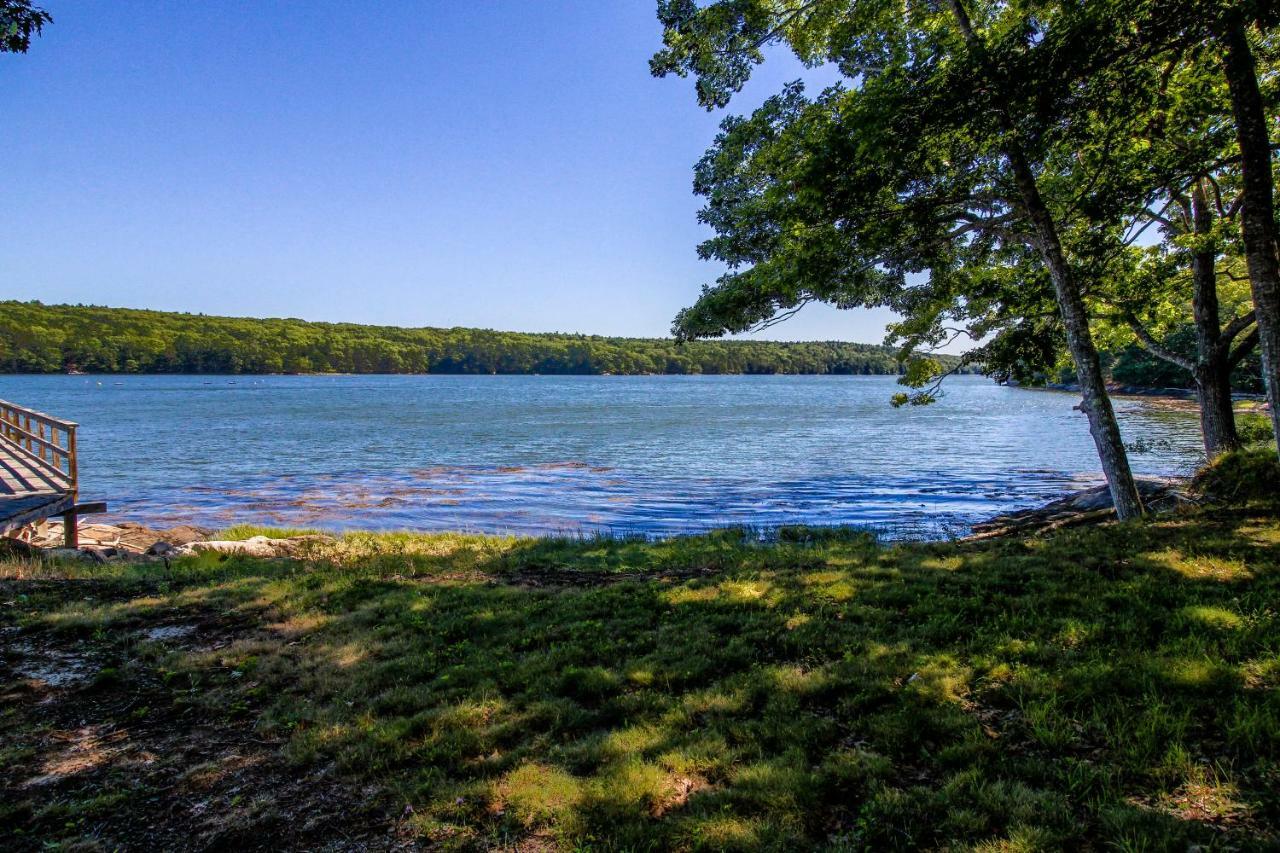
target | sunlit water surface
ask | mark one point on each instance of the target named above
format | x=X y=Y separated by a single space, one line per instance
x=541 y=454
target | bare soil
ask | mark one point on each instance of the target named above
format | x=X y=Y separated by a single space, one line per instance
x=101 y=745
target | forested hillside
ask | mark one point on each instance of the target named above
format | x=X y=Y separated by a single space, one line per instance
x=36 y=338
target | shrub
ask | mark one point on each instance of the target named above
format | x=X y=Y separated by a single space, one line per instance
x=1254 y=429
x=1240 y=476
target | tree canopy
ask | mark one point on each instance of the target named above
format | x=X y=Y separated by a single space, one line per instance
x=982 y=168
x=19 y=21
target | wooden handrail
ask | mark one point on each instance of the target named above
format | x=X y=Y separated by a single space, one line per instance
x=37 y=435
x=41 y=417
x=17 y=433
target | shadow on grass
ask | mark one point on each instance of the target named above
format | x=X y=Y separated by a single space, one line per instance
x=1114 y=686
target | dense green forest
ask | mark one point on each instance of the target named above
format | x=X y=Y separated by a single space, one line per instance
x=1133 y=365
x=36 y=338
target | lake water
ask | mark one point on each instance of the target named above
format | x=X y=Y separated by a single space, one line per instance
x=654 y=455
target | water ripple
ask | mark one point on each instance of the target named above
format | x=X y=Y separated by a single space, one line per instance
x=528 y=454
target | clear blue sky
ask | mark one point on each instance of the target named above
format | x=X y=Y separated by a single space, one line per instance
x=503 y=164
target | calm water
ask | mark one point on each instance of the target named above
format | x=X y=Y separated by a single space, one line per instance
x=540 y=454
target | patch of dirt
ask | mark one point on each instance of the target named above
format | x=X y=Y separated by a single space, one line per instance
x=49 y=668
x=97 y=750
x=682 y=788
x=1217 y=807
x=169 y=632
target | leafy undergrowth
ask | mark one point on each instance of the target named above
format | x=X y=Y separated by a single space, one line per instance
x=1109 y=687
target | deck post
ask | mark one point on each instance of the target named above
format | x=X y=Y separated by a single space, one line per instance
x=73 y=465
x=70 y=531
x=70 y=522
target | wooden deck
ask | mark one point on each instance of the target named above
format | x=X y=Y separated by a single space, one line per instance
x=38 y=469
x=28 y=493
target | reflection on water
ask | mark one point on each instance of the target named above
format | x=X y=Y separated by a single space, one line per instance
x=530 y=454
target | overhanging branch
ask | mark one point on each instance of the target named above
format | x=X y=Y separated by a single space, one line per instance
x=1151 y=345
x=1247 y=343
x=1238 y=325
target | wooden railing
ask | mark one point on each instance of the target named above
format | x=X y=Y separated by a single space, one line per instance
x=46 y=440
x=50 y=443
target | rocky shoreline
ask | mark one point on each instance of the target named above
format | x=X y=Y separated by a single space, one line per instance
x=132 y=541
x=1186 y=396
x=1083 y=507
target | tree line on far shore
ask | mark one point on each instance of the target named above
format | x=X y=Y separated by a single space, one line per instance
x=37 y=338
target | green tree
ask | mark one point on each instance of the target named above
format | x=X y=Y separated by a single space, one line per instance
x=1259 y=232
x=19 y=22
x=943 y=154
x=1175 y=286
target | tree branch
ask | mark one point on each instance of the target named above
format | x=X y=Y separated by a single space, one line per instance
x=1217 y=196
x=1154 y=347
x=781 y=317
x=1238 y=325
x=1247 y=343
x=976 y=223
x=770 y=34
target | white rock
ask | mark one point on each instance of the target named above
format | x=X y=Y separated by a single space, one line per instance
x=257 y=546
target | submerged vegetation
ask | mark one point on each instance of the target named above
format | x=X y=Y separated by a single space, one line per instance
x=1116 y=686
x=36 y=338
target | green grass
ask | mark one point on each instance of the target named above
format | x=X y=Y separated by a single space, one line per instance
x=1113 y=688
x=248 y=531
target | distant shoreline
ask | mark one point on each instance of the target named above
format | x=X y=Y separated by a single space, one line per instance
x=335 y=373
x=92 y=340
x=1181 y=399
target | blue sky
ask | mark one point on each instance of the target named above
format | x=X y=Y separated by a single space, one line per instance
x=502 y=164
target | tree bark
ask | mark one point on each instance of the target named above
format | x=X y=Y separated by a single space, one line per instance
x=1257 y=214
x=1096 y=402
x=1212 y=371
x=1217 y=417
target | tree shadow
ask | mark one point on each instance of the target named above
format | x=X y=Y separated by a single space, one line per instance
x=1111 y=685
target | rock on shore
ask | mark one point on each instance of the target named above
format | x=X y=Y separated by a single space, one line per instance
x=1083 y=507
x=254 y=546
x=127 y=536
x=130 y=540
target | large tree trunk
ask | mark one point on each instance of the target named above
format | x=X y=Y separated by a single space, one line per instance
x=1217 y=417
x=1075 y=319
x=1212 y=370
x=1257 y=215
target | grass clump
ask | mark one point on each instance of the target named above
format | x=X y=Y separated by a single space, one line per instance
x=1108 y=687
x=240 y=532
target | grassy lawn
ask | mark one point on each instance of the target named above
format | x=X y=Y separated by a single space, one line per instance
x=1115 y=687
